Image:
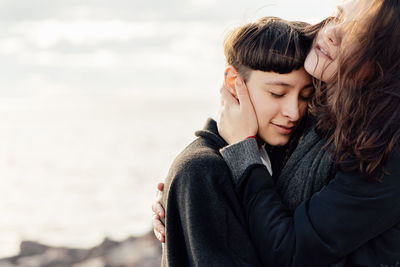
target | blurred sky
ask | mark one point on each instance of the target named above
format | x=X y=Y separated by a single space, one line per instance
x=98 y=47
x=96 y=99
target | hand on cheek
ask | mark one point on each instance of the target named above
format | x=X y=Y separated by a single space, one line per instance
x=237 y=119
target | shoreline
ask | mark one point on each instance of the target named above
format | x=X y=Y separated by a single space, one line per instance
x=144 y=251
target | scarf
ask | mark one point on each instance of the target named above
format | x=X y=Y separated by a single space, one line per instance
x=307 y=171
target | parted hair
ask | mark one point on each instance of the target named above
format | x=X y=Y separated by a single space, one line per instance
x=268 y=44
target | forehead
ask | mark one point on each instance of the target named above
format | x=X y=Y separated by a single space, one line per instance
x=293 y=79
x=355 y=9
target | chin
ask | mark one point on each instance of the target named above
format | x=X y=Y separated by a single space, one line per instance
x=280 y=144
x=320 y=68
x=311 y=64
x=277 y=141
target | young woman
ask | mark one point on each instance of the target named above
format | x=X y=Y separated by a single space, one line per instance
x=204 y=220
x=356 y=216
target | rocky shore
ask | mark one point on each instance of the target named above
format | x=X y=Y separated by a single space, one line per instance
x=144 y=251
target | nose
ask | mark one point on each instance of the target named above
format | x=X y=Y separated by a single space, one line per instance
x=291 y=109
x=333 y=34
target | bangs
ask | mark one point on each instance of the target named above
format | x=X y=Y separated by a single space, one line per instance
x=270 y=44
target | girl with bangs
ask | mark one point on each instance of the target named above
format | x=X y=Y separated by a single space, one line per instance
x=268 y=56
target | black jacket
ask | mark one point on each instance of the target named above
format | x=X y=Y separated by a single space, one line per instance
x=205 y=224
x=349 y=217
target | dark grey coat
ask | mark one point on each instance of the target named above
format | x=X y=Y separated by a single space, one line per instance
x=204 y=221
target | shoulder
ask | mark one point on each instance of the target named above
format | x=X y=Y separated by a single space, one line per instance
x=394 y=158
x=198 y=162
x=355 y=184
x=198 y=172
x=199 y=154
x=392 y=171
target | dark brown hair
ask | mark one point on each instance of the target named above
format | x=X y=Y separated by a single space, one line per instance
x=269 y=44
x=359 y=112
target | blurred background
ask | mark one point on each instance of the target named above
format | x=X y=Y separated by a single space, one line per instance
x=97 y=97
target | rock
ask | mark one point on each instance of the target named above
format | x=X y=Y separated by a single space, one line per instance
x=103 y=248
x=144 y=251
x=54 y=257
x=29 y=248
x=95 y=262
x=6 y=263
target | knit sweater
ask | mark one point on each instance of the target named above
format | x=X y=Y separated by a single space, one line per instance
x=205 y=224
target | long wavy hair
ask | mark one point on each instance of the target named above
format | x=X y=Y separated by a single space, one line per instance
x=359 y=111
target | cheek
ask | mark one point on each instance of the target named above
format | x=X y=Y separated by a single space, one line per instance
x=311 y=62
x=319 y=67
x=267 y=110
x=303 y=108
x=258 y=101
x=263 y=106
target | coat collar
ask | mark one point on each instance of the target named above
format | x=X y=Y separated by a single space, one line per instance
x=210 y=131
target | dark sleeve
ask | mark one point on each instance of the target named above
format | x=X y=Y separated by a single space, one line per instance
x=344 y=215
x=205 y=225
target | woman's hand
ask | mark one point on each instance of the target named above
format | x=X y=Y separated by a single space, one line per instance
x=158 y=226
x=237 y=118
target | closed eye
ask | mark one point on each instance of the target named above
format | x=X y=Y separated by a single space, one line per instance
x=307 y=93
x=305 y=98
x=276 y=95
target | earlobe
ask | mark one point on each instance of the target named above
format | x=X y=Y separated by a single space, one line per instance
x=231 y=75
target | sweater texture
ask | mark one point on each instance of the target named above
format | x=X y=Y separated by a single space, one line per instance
x=205 y=224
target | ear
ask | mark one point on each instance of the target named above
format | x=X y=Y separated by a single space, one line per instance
x=229 y=81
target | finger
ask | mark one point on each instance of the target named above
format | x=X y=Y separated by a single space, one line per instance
x=227 y=97
x=159 y=210
x=242 y=92
x=159 y=193
x=160 y=186
x=159 y=227
x=220 y=89
x=153 y=207
x=159 y=236
x=221 y=100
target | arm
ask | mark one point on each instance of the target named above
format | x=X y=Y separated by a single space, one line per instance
x=334 y=222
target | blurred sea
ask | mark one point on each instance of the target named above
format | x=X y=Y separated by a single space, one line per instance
x=76 y=170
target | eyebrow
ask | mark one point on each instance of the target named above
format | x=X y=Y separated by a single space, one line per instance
x=279 y=84
x=307 y=86
x=287 y=85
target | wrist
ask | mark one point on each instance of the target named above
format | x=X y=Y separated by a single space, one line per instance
x=240 y=156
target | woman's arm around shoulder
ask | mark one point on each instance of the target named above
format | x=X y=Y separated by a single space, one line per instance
x=347 y=213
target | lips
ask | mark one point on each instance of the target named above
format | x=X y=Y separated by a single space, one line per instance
x=282 y=129
x=322 y=50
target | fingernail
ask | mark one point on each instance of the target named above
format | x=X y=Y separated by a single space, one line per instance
x=239 y=82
